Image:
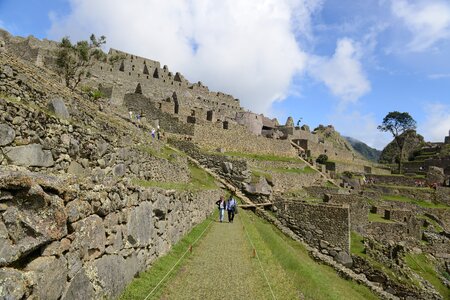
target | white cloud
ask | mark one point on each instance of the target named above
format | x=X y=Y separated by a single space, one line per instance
x=360 y=126
x=437 y=122
x=245 y=48
x=427 y=20
x=439 y=76
x=342 y=73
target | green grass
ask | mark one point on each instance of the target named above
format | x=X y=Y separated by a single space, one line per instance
x=315 y=281
x=304 y=170
x=261 y=157
x=421 y=203
x=141 y=286
x=412 y=188
x=259 y=173
x=426 y=269
x=357 y=244
x=200 y=180
x=377 y=218
x=164 y=152
x=432 y=222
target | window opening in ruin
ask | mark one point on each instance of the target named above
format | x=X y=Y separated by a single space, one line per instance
x=145 y=70
x=404 y=219
x=101 y=68
x=156 y=73
x=129 y=73
x=138 y=89
x=110 y=69
x=147 y=77
x=225 y=125
x=176 y=106
x=122 y=67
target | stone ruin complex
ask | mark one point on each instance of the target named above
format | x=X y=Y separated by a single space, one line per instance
x=73 y=215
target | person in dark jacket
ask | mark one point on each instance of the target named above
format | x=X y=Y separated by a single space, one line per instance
x=231 y=209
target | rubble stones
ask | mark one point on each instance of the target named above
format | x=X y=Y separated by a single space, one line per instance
x=58 y=107
x=29 y=155
x=7 y=135
x=12 y=284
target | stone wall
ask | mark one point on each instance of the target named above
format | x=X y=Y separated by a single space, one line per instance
x=283 y=175
x=147 y=108
x=238 y=139
x=397 y=231
x=422 y=166
x=440 y=195
x=394 y=180
x=359 y=209
x=234 y=170
x=318 y=224
x=122 y=72
x=65 y=240
x=356 y=166
x=84 y=229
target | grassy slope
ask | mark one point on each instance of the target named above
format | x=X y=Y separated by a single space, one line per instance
x=425 y=268
x=313 y=280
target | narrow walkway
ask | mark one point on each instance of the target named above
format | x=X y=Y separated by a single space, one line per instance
x=221 y=267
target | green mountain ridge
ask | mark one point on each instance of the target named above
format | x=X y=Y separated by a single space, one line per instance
x=363 y=149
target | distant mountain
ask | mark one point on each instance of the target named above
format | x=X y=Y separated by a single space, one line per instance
x=367 y=152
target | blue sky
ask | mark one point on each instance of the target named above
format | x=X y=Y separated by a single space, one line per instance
x=346 y=63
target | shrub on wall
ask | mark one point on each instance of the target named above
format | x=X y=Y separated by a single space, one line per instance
x=322 y=159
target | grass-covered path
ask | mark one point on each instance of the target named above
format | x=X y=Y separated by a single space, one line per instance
x=222 y=266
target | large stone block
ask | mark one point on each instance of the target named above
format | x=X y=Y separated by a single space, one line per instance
x=7 y=135
x=79 y=288
x=29 y=155
x=90 y=237
x=49 y=276
x=58 y=107
x=140 y=225
x=112 y=273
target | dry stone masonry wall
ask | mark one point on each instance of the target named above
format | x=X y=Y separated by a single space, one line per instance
x=322 y=226
x=65 y=240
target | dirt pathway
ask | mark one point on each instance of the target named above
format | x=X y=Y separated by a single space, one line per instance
x=221 y=267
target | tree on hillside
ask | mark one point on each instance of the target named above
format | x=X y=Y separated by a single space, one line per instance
x=397 y=123
x=73 y=60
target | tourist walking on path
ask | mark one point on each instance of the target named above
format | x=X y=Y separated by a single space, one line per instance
x=221 y=204
x=231 y=209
